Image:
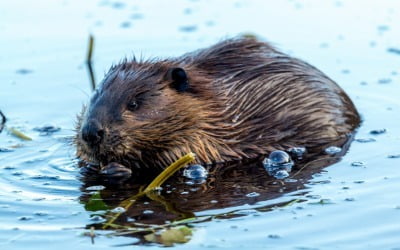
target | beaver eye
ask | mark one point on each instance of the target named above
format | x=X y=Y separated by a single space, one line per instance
x=133 y=105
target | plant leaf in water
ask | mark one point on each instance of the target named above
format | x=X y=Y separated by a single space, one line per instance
x=157 y=182
x=170 y=236
x=19 y=134
x=95 y=203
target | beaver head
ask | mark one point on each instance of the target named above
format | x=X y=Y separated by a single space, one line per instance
x=147 y=115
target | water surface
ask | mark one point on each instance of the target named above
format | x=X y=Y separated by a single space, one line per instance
x=43 y=198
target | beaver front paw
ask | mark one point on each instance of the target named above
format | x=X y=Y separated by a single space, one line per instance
x=116 y=171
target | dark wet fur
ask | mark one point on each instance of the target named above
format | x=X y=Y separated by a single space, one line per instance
x=244 y=100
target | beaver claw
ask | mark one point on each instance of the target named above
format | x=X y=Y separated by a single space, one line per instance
x=116 y=170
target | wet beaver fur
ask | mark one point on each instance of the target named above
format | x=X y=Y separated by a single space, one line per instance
x=238 y=99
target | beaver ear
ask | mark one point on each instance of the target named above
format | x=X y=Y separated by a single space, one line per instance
x=179 y=79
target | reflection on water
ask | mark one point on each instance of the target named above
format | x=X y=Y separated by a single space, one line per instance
x=117 y=207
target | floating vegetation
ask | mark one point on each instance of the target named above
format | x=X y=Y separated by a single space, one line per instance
x=155 y=184
x=96 y=203
x=19 y=134
x=169 y=236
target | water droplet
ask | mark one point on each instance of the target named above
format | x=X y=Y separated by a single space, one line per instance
x=235 y=118
x=95 y=188
x=97 y=218
x=281 y=174
x=332 y=150
x=297 y=151
x=357 y=164
x=252 y=194
x=147 y=211
x=278 y=164
x=130 y=219
x=290 y=180
x=279 y=157
x=118 y=210
x=195 y=172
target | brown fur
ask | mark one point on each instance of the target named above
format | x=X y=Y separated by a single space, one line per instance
x=245 y=100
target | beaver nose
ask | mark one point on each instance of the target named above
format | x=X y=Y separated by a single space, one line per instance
x=92 y=133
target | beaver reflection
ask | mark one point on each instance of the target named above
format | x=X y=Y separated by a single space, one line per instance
x=227 y=186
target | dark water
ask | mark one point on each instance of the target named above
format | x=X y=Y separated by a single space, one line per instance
x=45 y=203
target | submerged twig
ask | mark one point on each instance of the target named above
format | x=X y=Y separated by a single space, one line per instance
x=89 y=61
x=3 y=121
x=157 y=182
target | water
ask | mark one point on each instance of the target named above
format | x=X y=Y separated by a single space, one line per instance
x=45 y=203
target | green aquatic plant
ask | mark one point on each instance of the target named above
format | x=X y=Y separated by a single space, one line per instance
x=156 y=183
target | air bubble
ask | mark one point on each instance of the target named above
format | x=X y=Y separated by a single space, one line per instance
x=278 y=164
x=195 y=172
x=332 y=150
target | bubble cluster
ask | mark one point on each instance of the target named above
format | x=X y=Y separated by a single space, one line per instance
x=278 y=164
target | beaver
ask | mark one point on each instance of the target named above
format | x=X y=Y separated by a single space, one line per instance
x=238 y=99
